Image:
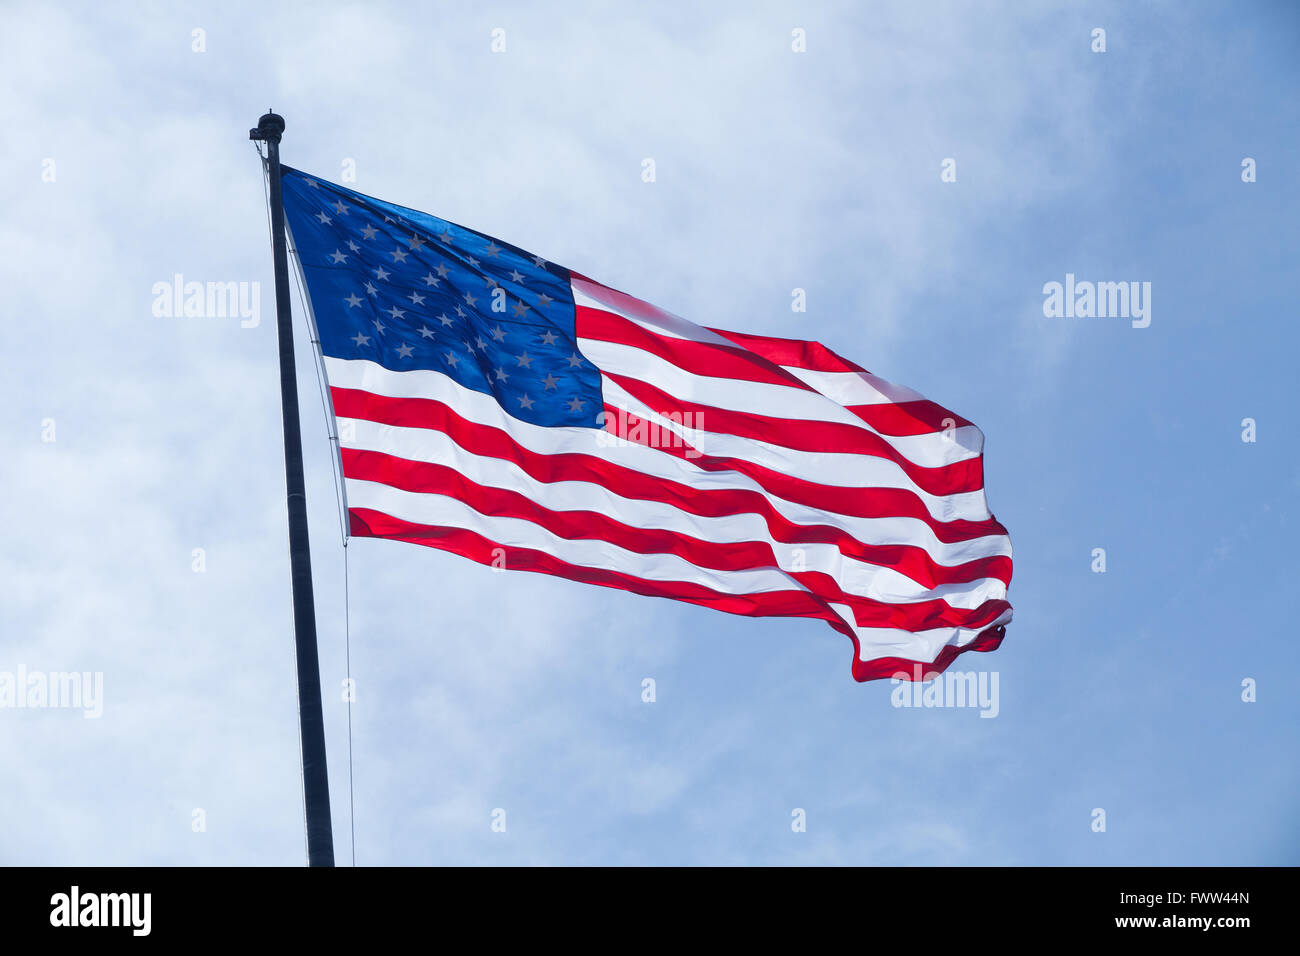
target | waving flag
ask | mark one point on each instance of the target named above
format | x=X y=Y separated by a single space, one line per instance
x=502 y=407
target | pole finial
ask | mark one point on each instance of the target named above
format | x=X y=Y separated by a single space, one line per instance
x=269 y=128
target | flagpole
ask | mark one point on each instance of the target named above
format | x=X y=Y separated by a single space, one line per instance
x=311 y=721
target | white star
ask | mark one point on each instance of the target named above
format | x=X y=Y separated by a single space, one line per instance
x=575 y=360
x=481 y=344
x=362 y=339
x=445 y=236
x=526 y=402
x=398 y=255
x=544 y=300
x=539 y=262
x=442 y=269
x=516 y=275
x=340 y=208
x=525 y=361
x=379 y=326
x=502 y=375
x=499 y=335
x=444 y=320
x=470 y=300
x=461 y=313
x=493 y=249
x=550 y=381
x=370 y=288
x=576 y=404
x=381 y=273
x=431 y=279
x=404 y=350
x=452 y=360
x=548 y=338
x=396 y=313
x=519 y=309
x=473 y=263
x=417 y=298
x=311 y=183
x=353 y=300
x=325 y=220
x=426 y=332
x=414 y=243
x=368 y=232
x=353 y=246
x=338 y=257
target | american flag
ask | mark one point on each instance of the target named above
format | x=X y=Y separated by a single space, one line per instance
x=502 y=407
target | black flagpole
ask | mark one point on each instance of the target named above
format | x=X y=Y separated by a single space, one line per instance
x=315 y=777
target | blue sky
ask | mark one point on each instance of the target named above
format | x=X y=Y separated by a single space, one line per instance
x=775 y=170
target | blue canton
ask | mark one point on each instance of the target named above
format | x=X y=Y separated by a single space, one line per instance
x=408 y=290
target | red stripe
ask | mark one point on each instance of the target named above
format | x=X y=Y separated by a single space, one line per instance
x=895 y=418
x=699 y=358
x=904 y=669
x=759 y=358
x=908 y=418
x=427 y=478
x=792 y=353
x=859 y=502
x=491 y=442
x=799 y=434
x=365 y=522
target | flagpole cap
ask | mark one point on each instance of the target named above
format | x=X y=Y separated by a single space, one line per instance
x=269 y=128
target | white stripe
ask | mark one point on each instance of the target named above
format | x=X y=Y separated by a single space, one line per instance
x=855 y=388
x=863 y=388
x=854 y=576
x=928 y=449
x=595 y=553
x=932 y=450
x=595 y=296
x=602 y=555
x=923 y=646
x=483 y=409
x=825 y=468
